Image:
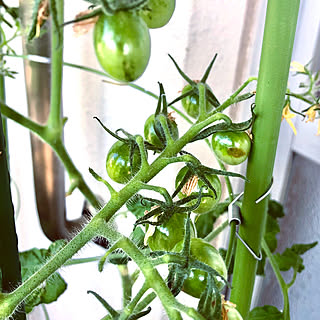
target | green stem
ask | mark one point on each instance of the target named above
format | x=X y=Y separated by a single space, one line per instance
x=232 y=240
x=73 y=262
x=300 y=97
x=126 y=284
x=282 y=284
x=276 y=53
x=52 y=265
x=57 y=145
x=214 y=233
x=45 y=311
x=152 y=276
x=54 y=120
x=145 y=302
x=128 y=310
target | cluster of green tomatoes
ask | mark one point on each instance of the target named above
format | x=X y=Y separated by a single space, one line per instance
x=231 y=147
x=122 y=40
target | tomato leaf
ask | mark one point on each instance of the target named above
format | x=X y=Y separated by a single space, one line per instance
x=265 y=313
x=53 y=287
x=291 y=257
x=275 y=211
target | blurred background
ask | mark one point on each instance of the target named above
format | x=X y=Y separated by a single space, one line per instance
x=197 y=30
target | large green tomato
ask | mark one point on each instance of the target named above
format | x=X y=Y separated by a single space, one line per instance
x=158 y=13
x=150 y=133
x=169 y=234
x=191 y=103
x=118 y=162
x=231 y=147
x=203 y=251
x=122 y=45
x=207 y=203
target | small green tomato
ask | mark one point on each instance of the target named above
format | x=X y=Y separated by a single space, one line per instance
x=231 y=147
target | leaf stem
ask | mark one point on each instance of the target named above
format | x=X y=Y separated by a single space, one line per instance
x=282 y=284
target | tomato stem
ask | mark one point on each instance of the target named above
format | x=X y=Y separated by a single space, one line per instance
x=282 y=283
x=280 y=25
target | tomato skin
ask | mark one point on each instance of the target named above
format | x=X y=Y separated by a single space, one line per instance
x=191 y=103
x=206 y=203
x=169 y=234
x=231 y=147
x=203 y=251
x=122 y=45
x=118 y=162
x=150 y=133
x=159 y=13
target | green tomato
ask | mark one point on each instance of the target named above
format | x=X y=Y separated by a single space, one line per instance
x=203 y=251
x=207 y=203
x=165 y=237
x=191 y=103
x=150 y=133
x=158 y=13
x=231 y=147
x=122 y=45
x=232 y=313
x=118 y=162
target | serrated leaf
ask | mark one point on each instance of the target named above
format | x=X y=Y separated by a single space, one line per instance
x=290 y=258
x=53 y=287
x=265 y=313
x=302 y=248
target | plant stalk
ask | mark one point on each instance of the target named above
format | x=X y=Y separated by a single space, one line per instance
x=280 y=26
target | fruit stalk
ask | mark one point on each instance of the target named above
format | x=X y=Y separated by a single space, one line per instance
x=280 y=26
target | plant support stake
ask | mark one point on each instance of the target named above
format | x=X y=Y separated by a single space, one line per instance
x=279 y=32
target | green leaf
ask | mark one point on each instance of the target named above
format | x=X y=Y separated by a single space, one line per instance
x=275 y=209
x=137 y=206
x=265 y=313
x=290 y=258
x=53 y=287
x=275 y=212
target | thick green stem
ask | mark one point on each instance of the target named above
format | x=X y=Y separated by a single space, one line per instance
x=18 y=295
x=282 y=284
x=276 y=53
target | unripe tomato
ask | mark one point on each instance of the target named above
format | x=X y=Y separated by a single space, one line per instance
x=169 y=234
x=232 y=313
x=231 y=147
x=191 y=103
x=158 y=13
x=203 y=251
x=150 y=133
x=122 y=45
x=207 y=203
x=118 y=162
